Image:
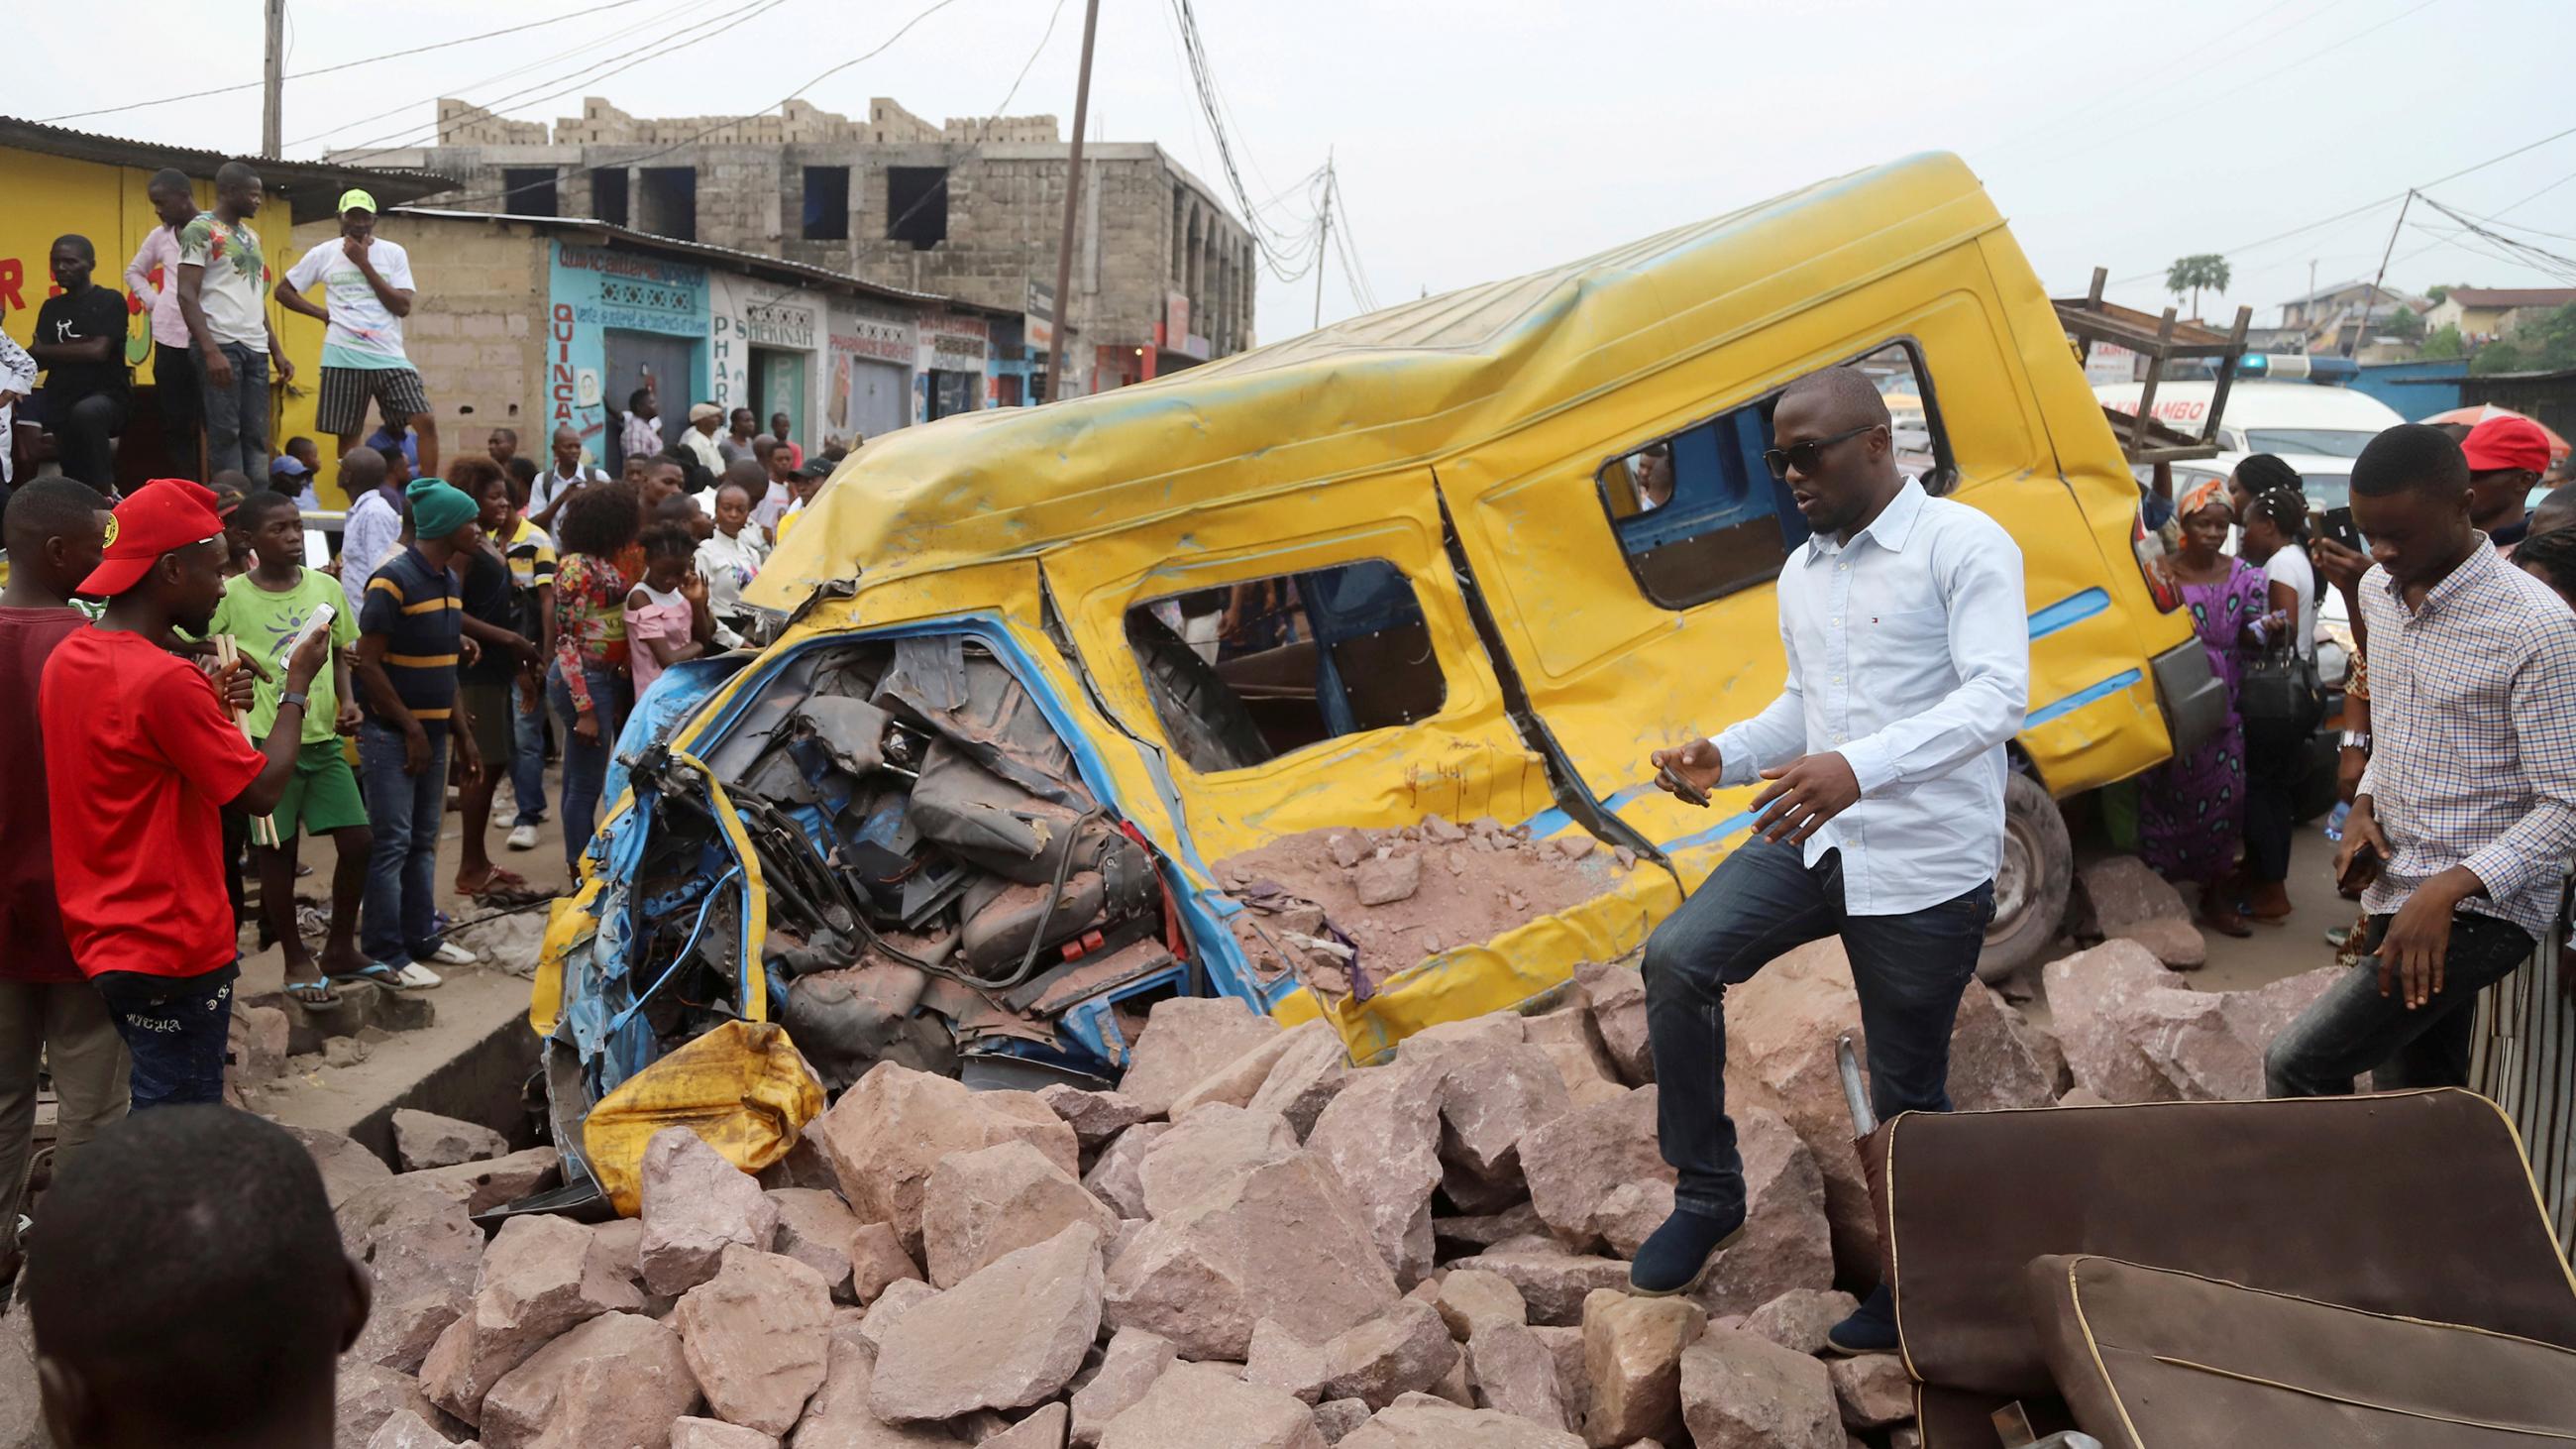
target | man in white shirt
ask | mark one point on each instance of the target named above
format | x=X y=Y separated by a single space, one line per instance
x=223 y=292
x=700 y=439
x=1908 y=648
x=374 y=523
x=564 y=474
x=174 y=368
x=367 y=292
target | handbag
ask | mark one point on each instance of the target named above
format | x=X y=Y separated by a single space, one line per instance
x=2280 y=689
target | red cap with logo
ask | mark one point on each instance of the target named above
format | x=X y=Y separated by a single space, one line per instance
x=2507 y=442
x=164 y=514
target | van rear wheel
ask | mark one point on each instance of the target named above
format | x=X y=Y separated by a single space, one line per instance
x=2031 y=884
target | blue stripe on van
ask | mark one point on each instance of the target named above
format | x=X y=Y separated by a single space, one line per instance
x=2067 y=612
x=2058 y=709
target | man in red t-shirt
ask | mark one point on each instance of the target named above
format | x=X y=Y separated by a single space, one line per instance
x=140 y=756
x=54 y=529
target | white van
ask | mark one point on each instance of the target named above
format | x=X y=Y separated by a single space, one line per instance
x=2317 y=430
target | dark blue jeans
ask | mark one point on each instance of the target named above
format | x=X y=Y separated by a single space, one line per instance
x=2353 y=1029
x=528 y=751
x=1760 y=902
x=585 y=766
x=399 y=922
x=175 y=1030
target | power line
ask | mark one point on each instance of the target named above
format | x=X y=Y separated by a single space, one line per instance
x=1275 y=247
x=344 y=65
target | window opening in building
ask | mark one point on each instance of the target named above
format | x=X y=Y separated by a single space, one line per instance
x=608 y=194
x=827 y=203
x=670 y=202
x=1244 y=673
x=1699 y=514
x=530 y=191
x=917 y=205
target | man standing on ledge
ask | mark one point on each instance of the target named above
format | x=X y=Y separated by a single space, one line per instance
x=1909 y=667
x=366 y=293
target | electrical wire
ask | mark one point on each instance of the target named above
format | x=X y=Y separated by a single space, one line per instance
x=344 y=65
x=1288 y=257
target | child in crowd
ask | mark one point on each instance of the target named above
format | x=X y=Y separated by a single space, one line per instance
x=263 y=610
x=729 y=559
x=667 y=619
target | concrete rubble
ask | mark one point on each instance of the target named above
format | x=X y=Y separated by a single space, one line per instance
x=1249 y=1242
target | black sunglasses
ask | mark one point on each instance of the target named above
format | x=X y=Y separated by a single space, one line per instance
x=1808 y=454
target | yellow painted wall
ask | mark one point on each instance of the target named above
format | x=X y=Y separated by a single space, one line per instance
x=48 y=196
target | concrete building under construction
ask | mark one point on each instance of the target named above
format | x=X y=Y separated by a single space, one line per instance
x=972 y=209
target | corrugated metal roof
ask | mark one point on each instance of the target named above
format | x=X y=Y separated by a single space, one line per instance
x=290 y=178
x=756 y=262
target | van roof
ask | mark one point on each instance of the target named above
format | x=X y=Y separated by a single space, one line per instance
x=1402 y=386
x=2260 y=405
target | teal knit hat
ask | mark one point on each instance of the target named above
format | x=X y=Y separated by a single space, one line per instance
x=437 y=509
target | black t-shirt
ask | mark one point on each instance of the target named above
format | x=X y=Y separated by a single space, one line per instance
x=93 y=312
x=487 y=597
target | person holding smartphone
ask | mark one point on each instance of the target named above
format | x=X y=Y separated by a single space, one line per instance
x=2466 y=813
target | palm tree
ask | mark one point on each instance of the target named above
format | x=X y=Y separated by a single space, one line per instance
x=2194 y=273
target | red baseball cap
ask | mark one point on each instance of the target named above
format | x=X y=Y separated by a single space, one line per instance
x=164 y=514
x=2505 y=442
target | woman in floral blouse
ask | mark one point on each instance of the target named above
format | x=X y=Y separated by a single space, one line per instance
x=588 y=682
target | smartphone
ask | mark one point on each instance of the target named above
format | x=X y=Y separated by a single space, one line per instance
x=1683 y=788
x=2338 y=526
x=320 y=622
x=2363 y=869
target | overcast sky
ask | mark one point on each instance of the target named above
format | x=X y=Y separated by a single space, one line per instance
x=1478 y=140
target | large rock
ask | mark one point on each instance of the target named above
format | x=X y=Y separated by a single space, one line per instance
x=878 y=1262
x=816 y=1229
x=892 y=1129
x=979 y=1206
x=1616 y=993
x=1787 y=1242
x=1309 y=1073
x=1781 y=1028
x=1565 y=1345
x=364 y=1398
x=2136 y=1032
x=1212 y=1144
x=542 y=1276
x=1513 y=1370
x=1421 y=1422
x=1284 y=1241
x=2122 y=891
x=425 y=1139
x=1128 y=1367
x=1577 y=1161
x=1281 y=1360
x=755 y=1336
x=1553 y=1281
x=1117 y=1177
x=1740 y=1391
x=839 y=1416
x=1381 y=1134
x=1471 y=1300
x=1185 y=1039
x=2177 y=943
x=1008 y=1337
x=495 y=1182
x=619 y=1379
x=695 y=1205
x=1573 y=1044
x=346 y=1167
x=696 y=1433
x=1095 y=1117
x=1494 y=1100
x=1339 y=1419
x=1799 y=1319
x=1406 y=1350
x=881 y=1316
x=1195 y=1406
x=1992 y=1065
x=405 y=1429
x=1632 y=1356
x=1872 y=1390
x=1238 y=1081
x=424 y=1254
x=1041 y=1430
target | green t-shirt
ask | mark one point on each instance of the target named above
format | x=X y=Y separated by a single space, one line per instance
x=264 y=626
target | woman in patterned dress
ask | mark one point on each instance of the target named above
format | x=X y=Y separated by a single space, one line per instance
x=2191 y=809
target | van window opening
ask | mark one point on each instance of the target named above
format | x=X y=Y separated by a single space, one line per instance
x=1243 y=673
x=1698 y=514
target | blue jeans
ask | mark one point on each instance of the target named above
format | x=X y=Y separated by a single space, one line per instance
x=399 y=922
x=237 y=416
x=528 y=751
x=2353 y=1029
x=585 y=765
x=1759 y=903
x=175 y=1030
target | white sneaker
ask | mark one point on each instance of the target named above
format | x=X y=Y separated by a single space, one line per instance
x=523 y=837
x=451 y=954
x=416 y=977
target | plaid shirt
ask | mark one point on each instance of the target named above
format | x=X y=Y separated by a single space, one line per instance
x=2473 y=717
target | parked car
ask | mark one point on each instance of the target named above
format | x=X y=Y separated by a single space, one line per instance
x=1062 y=692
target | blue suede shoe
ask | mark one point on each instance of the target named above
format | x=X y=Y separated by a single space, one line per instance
x=1676 y=1256
x=1870 y=1329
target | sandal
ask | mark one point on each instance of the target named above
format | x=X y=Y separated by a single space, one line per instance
x=503 y=889
x=313 y=993
x=377 y=972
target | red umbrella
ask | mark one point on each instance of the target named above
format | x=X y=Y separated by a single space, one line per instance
x=2471 y=417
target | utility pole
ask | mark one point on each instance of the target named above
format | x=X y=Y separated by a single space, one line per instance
x=1072 y=205
x=272 y=109
x=2370 y=299
x=1325 y=251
